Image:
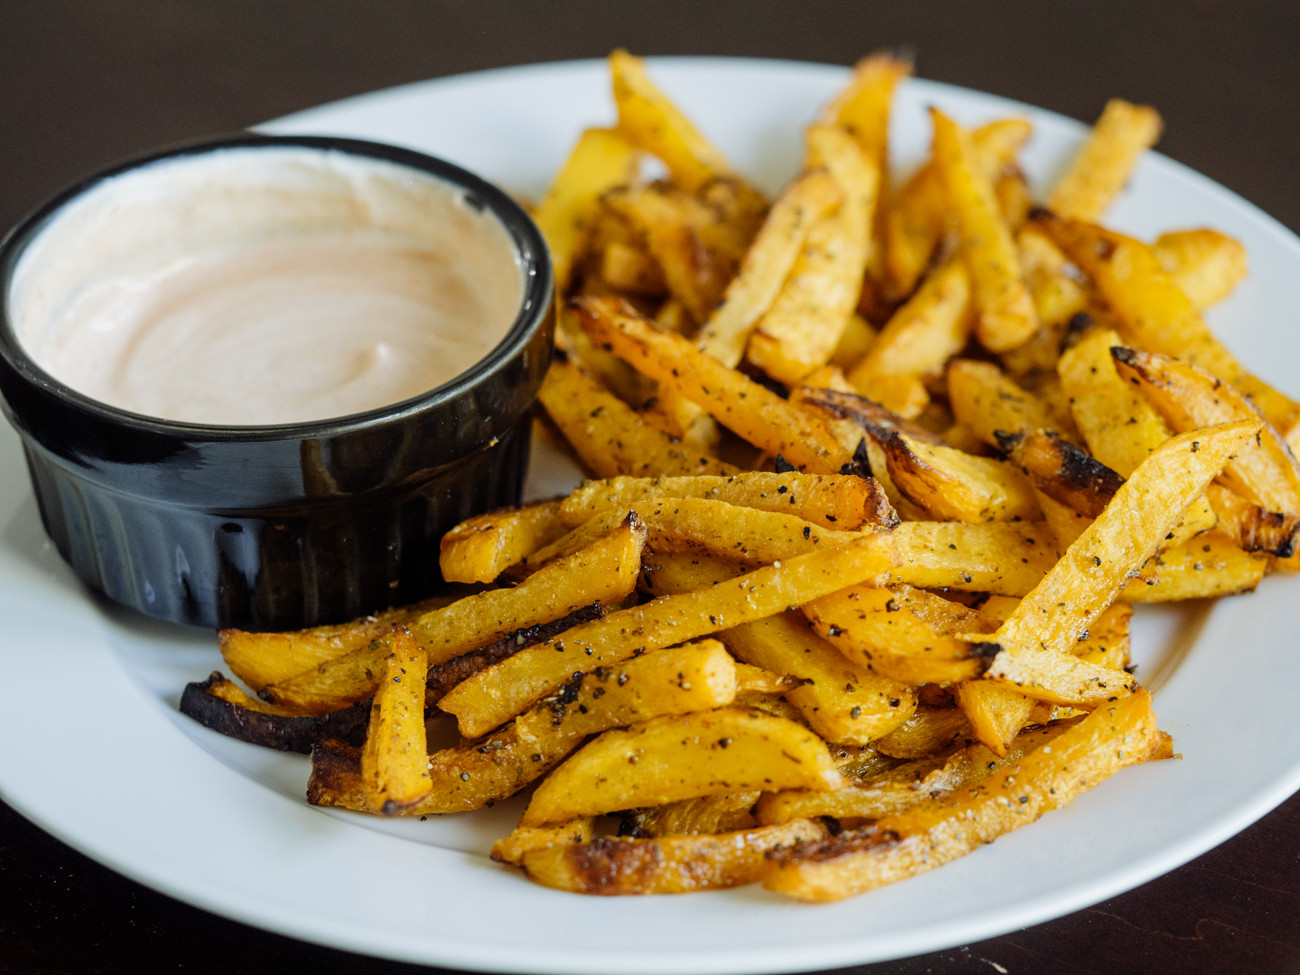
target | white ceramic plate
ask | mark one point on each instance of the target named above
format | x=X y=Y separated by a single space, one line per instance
x=97 y=754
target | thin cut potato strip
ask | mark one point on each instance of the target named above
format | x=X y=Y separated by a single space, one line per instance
x=916 y=218
x=1100 y=171
x=843 y=700
x=748 y=409
x=1205 y=264
x=1004 y=311
x=673 y=758
x=600 y=160
x=479 y=549
x=936 y=831
x=493 y=696
x=680 y=680
x=1036 y=638
x=664 y=865
x=609 y=436
x=767 y=264
x=802 y=326
x=394 y=767
x=834 y=501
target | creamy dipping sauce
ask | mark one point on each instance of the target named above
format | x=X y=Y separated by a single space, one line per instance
x=251 y=286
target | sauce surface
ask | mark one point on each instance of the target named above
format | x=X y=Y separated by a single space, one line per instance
x=265 y=286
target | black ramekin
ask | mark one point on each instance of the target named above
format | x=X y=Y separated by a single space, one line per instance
x=279 y=527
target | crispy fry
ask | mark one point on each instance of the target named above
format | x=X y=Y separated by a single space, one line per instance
x=916 y=219
x=1205 y=264
x=394 y=764
x=609 y=436
x=834 y=501
x=935 y=831
x=1004 y=311
x=1098 y=174
x=221 y=705
x=673 y=758
x=988 y=403
x=998 y=557
x=738 y=403
x=479 y=549
x=600 y=160
x=843 y=701
x=767 y=263
x=802 y=327
x=665 y=865
x=1036 y=638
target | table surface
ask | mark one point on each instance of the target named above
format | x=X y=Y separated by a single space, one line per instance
x=83 y=84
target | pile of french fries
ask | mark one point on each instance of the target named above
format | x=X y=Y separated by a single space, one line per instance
x=879 y=472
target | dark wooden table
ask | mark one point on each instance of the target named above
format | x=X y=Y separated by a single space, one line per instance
x=83 y=84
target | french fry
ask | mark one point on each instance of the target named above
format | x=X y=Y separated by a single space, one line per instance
x=1155 y=314
x=600 y=160
x=743 y=406
x=903 y=633
x=986 y=402
x=221 y=705
x=936 y=831
x=259 y=659
x=631 y=270
x=1119 y=425
x=493 y=696
x=479 y=549
x=1102 y=168
x=672 y=758
x=1187 y=397
x=648 y=119
x=916 y=218
x=955 y=486
x=842 y=700
x=767 y=264
x=609 y=436
x=833 y=501
x=905 y=786
x=665 y=865
x=1036 y=638
x=863 y=109
x=1205 y=264
x=928 y=330
x=998 y=557
x=1004 y=311
x=524 y=839
x=1205 y=567
x=605 y=572
x=394 y=762
x=1062 y=471
x=802 y=327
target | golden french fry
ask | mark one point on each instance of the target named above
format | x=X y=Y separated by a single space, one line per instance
x=600 y=160
x=767 y=263
x=1265 y=471
x=842 y=700
x=1036 y=638
x=394 y=759
x=604 y=572
x=664 y=865
x=986 y=402
x=672 y=758
x=834 y=501
x=1004 y=311
x=1205 y=264
x=608 y=434
x=479 y=549
x=937 y=830
x=801 y=328
x=1102 y=168
x=916 y=218
x=748 y=409
x=999 y=557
